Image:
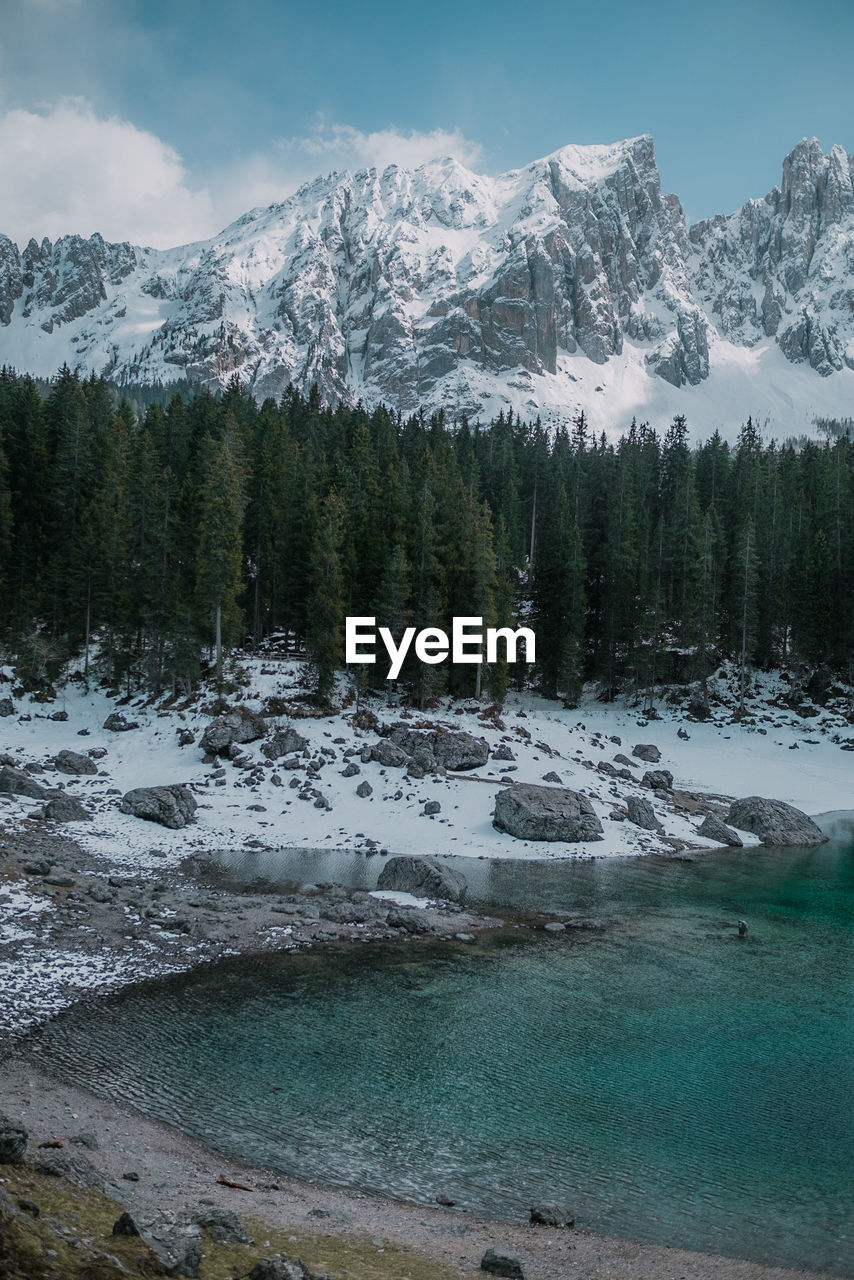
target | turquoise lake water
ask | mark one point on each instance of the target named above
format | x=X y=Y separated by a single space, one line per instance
x=668 y=1080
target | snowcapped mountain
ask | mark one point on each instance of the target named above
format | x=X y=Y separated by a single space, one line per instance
x=573 y=282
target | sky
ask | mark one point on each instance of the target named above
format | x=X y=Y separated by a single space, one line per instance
x=160 y=121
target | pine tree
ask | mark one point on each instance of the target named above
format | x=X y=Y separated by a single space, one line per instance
x=325 y=607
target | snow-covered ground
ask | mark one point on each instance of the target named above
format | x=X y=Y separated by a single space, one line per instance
x=755 y=757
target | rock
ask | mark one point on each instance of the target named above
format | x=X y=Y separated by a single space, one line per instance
x=17 y=782
x=554 y=926
x=551 y=1215
x=350 y=770
x=277 y=1268
x=117 y=723
x=446 y=1201
x=646 y=751
x=424 y=878
x=775 y=822
x=74 y=762
x=124 y=1225
x=282 y=743
x=73 y=1166
x=13 y=1141
x=237 y=726
x=460 y=751
x=500 y=1262
x=530 y=812
x=431 y=807
x=503 y=752
x=88 y=1140
x=713 y=829
x=186 y=738
x=642 y=814
x=63 y=808
x=364 y=790
x=222 y=1225
x=698 y=706
x=551 y=776
x=171 y=806
x=409 y=919
x=131 y=1176
x=7 y=707
x=658 y=780
x=177 y=1243
x=389 y=754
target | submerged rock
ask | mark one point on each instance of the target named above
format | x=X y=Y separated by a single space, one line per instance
x=551 y=1215
x=172 y=806
x=423 y=877
x=530 y=812
x=775 y=822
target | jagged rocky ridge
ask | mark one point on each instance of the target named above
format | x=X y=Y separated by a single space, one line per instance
x=441 y=287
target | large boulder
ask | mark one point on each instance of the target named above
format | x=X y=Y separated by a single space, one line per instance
x=388 y=753
x=17 y=782
x=118 y=723
x=647 y=751
x=500 y=1262
x=283 y=743
x=713 y=829
x=176 y=1242
x=13 y=1141
x=63 y=808
x=74 y=762
x=775 y=822
x=239 y=725
x=423 y=877
x=172 y=806
x=446 y=748
x=417 y=744
x=7 y=707
x=658 y=780
x=529 y=812
x=642 y=814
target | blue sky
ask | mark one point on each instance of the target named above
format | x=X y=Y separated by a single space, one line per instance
x=123 y=109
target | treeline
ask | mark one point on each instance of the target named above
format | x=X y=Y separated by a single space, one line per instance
x=636 y=563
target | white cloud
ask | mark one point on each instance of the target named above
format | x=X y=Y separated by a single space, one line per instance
x=270 y=176
x=67 y=170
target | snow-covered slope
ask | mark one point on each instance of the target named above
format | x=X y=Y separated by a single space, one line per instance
x=573 y=282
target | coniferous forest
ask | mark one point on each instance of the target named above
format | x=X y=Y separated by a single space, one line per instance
x=637 y=562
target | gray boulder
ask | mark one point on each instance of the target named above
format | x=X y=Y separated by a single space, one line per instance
x=277 y=1268
x=17 y=782
x=423 y=877
x=642 y=814
x=63 y=808
x=175 y=1242
x=500 y=1262
x=551 y=1215
x=71 y=1165
x=283 y=743
x=503 y=752
x=7 y=707
x=239 y=725
x=530 y=812
x=389 y=754
x=658 y=780
x=646 y=751
x=13 y=1141
x=775 y=822
x=117 y=723
x=172 y=806
x=222 y=1225
x=713 y=829
x=364 y=790
x=460 y=750
x=74 y=762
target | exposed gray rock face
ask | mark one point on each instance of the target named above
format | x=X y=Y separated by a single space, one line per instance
x=423 y=877
x=774 y=822
x=642 y=814
x=176 y=1242
x=530 y=812
x=646 y=751
x=240 y=725
x=282 y=743
x=63 y=808
x=277 y=1268
x=116 y=722
x=713 y=829
x=173 y=806
x=7 y=707
x=388 y=753
x=222 y=1225
x=781 y=267
x=13 y=1141
x=75 y=763
x=17 y=782
x=440 y=287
